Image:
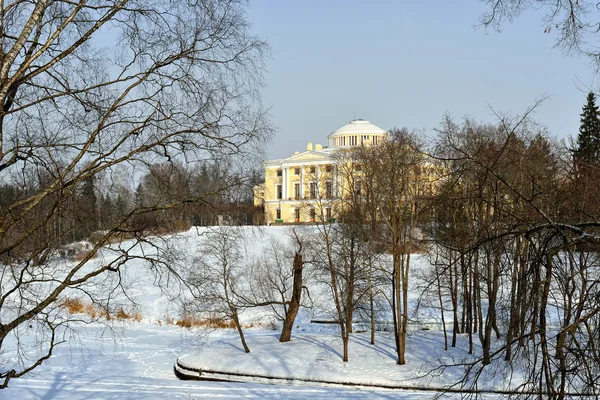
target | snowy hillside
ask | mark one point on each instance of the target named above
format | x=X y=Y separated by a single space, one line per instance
x=134 y=357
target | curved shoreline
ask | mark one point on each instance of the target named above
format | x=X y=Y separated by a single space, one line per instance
x=193 y=373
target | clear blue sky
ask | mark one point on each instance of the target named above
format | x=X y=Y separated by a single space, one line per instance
x=406 y=63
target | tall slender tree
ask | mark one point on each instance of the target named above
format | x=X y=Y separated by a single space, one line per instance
x=87 y=207
x=588 y=141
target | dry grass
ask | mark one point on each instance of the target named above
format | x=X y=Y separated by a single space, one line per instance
x=121 y=313
x=220 y=324
x=74 y=305
x=136 y=316
x=90 y=310
x=189 y=321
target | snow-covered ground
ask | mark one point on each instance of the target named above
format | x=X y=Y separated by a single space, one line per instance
x=316 y=357
x=135 y=360
x=138 y=364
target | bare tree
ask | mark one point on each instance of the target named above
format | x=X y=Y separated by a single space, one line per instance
x=526 y=256
x=296 y=298
x=324 y=254
x=575 y=23
x=277 y=280
x=400 y=206
x=90 y=86
x=220 y=278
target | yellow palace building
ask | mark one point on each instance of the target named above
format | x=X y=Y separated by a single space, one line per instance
x=308 y=185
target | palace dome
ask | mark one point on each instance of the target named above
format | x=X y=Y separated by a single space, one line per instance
x=357 y=132
x=358 y=127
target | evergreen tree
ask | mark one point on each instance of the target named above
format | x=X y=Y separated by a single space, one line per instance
x=106 y=212
x=120 y=207
x=85 y=212
x=139 y=197
x=588 y=141
x=88 y=197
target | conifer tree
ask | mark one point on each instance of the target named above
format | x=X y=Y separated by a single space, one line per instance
x=139 y=196
x=89 y=202
x=85 y=210
x=588 y=141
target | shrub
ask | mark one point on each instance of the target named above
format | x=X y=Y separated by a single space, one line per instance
x=73 y=305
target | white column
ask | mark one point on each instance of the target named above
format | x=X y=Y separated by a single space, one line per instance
x=318 y=182
x=284 y=183
x=301 y=182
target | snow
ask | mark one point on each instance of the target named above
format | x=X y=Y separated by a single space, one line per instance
x=316 y=357
x=135 y=360
x=138 y=364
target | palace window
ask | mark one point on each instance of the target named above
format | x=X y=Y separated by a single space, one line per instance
x=328 y=190
x=328 y=213
x=313 y=215
x=297 y=191
x=328 y=168
x=279 y=192
x=312 y=170
x=296 y=171
x=278 y=214
x=297 y=215
x=279 y=172
x=312 y=187
x=358 y=188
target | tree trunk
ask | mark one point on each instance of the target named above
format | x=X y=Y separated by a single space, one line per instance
x=236 y=321
x=394 y=314
x=290 y=317
x=345 y=341
x=371 y=302
x=404 y=326
x=397 y=310
x=349 y=309
x=454 y=298
x=494 y=282
x=439 y=289
x=513 y=319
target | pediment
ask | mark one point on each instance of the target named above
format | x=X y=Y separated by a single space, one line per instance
x=309 y=155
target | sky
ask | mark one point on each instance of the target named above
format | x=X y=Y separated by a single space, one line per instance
x=407 y=63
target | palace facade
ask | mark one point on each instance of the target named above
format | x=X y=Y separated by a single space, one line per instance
x=309 y=186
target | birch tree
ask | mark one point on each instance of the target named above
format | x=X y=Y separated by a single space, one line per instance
x=91 y=86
